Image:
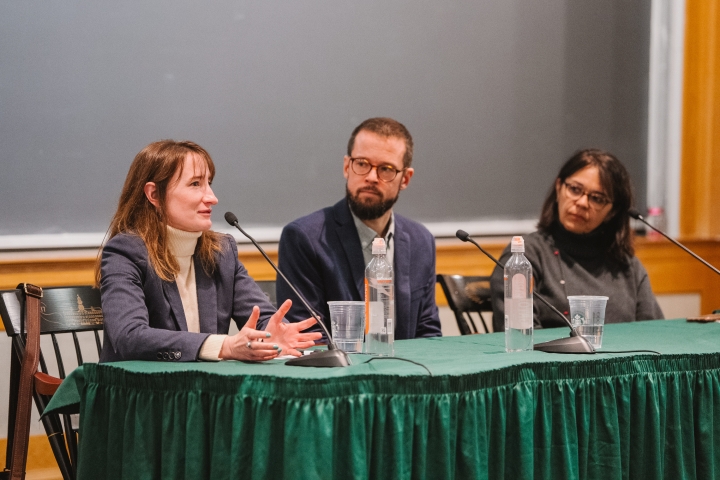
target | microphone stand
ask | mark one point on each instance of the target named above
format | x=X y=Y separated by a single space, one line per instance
x=636 y=215
x=575 y=343
x=333 y=356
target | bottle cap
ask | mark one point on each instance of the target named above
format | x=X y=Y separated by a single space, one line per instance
x=378 y=246
x=517 y=245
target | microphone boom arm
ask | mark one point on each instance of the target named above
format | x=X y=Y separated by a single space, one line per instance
x=573 y=333
x=637 y=216
x=576 y=343
x=333 y=356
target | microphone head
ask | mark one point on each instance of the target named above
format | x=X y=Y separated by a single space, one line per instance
x=462 y=235
x=634 y=214
x=231 y=218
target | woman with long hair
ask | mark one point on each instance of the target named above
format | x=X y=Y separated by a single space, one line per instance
x=169 y=285
x=584 y=245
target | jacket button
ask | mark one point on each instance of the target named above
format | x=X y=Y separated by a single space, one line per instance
x=178 y=355
x=159 y=355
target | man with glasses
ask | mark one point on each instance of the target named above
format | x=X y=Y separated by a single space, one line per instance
x=325 y=253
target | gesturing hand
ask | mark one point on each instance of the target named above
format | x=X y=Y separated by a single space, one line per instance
x=248 y=343
x=287 y=335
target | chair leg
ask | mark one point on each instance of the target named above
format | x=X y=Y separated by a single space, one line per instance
x=12 y=406
x=71 y=442
x=487 y=330
x=463 y=325
x=472 y=323
x=56 y=437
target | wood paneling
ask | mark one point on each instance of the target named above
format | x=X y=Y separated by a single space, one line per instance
x=40 y=457
x=699 y=192
x=671 y=270
x=51 y=271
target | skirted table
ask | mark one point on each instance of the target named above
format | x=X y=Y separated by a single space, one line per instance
x=483 y=413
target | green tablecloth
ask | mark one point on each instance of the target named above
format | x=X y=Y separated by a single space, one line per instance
x=483 y=414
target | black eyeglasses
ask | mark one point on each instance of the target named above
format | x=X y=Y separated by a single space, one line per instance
x=386 y=173
x=576 y=191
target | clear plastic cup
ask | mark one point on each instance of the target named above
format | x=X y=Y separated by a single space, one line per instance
x=587 y=315
x=347 y=319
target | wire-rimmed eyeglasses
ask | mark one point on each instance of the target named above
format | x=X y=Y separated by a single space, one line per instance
x=575 y=191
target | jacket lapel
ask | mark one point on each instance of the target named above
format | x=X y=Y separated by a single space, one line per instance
x=172 y=295
x=348 y=236
x=206 y=298
x=401 y=268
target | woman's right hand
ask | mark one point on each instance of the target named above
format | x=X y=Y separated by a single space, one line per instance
x=250 y=344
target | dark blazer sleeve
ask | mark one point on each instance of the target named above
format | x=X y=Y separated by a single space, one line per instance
x=137 y=325
x=428 y=324
x=299 y=262
x=245 y=293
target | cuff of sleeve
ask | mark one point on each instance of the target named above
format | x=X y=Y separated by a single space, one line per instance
x=210 y=350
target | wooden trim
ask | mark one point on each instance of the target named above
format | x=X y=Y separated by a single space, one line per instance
x=700 y=175
x=671 y=270
x=54 y=272
x=40 y=456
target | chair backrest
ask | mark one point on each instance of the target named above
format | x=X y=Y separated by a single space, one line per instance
x=466 y=296
x=268 y=288
x=64 y=312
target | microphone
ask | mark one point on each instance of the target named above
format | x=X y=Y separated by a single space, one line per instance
x=575 y=343
x=636 y=215
x=333 y=356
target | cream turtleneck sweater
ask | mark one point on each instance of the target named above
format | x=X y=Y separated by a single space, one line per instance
x=182 y=246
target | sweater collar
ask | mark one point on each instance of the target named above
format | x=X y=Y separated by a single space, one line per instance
x=182 y=243
x=586 y=245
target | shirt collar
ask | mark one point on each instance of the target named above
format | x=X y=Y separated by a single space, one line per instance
x=367 y=234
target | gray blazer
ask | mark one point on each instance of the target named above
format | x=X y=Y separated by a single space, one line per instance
x=144 y=316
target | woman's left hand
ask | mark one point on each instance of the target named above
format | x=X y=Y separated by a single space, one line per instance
x=288 y=335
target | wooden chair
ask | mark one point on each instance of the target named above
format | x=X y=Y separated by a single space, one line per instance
x=467 y=297
x=61 y=312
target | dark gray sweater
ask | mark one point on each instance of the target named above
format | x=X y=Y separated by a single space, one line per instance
x=566 y=264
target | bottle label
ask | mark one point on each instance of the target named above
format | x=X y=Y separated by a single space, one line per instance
x=367 y=306
x=519 y=313
x=520 y=309
x=519 y=286
x=384 y=286
x=379 y=305
x=377 y=323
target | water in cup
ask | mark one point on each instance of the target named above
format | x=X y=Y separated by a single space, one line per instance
x=587 y=315
x=347 y=321
x=592 y=333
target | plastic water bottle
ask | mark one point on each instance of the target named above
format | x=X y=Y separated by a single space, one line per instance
x=379 y=303
x=518 y=299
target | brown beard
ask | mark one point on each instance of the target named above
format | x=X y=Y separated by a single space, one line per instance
x=369 y=210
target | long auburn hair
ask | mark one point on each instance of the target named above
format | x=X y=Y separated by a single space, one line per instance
x=616 y=182
x=159 y=162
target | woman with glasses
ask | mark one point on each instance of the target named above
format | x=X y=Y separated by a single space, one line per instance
x=584 y=245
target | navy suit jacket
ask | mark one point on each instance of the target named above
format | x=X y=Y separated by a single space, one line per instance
x=322 y=255
x=144 y=316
